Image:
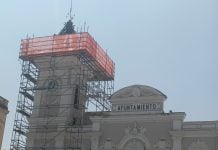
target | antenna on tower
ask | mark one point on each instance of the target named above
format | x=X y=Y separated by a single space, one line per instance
x=69 y=14
x=69 y=27
x=71 y=5
x=84 y=27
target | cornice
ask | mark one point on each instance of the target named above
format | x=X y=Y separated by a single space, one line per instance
x=120 y=117
x=200 y=133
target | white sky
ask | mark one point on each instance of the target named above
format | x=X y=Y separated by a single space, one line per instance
x=171 y=45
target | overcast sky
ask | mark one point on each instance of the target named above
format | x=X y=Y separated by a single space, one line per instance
x=171 y=45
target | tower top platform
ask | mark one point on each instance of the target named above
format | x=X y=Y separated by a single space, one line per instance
x=69 y=44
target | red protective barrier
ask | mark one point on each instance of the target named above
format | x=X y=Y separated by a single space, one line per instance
x=69 y=43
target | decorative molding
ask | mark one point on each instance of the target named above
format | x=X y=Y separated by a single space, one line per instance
x=108 y=145
x=136 y=91
x=162 y=144
x=137 y=133
x=135 y=130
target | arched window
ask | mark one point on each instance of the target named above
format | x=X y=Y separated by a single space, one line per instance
x=134 y=144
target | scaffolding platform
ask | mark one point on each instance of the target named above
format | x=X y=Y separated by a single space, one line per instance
x=29 y=77
x=26 y=94
x=64 y=45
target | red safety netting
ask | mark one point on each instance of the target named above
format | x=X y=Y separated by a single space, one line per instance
x=65 y=44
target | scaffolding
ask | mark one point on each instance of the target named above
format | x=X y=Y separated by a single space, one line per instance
x=24 y=105
x=63 y=77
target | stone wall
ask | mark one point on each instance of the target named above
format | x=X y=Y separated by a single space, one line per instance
x=3 y=114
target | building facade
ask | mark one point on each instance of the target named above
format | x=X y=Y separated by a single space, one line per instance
x=3 y=114
x=137 y=121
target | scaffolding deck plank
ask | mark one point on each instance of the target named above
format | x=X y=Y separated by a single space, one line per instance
x=28 y=76
x=23 y=112
x=27 y=95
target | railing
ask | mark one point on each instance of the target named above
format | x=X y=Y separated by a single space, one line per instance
x=65 y=44
x=205 y=125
